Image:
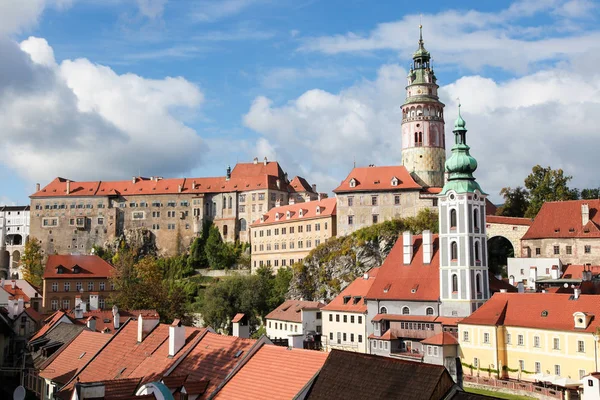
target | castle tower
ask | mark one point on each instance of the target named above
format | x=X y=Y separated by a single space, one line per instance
x=464 y=284
x=423 y=147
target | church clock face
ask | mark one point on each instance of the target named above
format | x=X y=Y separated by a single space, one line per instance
x=419 y=91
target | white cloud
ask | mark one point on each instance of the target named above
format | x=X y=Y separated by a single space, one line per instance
x=212 y=10
x=151 y=8
x=17 y=15
x=549 y=117
x=84 y=121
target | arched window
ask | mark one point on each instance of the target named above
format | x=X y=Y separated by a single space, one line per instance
x=476 y=220
x=230 y=202
x=224 y=202
x=225 y=230
x=405 y=310
x=429 y=311
x=453 y=218
x=454 y=283
x=383 y=310
x=477 y=255
x=242 y=224
x=478 y=283
x=453 y=251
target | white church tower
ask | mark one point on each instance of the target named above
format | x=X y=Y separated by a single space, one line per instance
x=464 y=284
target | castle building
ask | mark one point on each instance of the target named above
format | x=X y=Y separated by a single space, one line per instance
x=14 y=231
x=72 y=217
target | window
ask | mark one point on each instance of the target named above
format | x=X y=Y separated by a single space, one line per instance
x=538 y=251
x=520 y=340
x=453 y=251
x=557 y=370
x=66 y=304
x=556 y=344
x=375 y=218
x=536 y=341
x=331 y=336
x=345 y=318
x=454 y=283
x=360 y=319
x=556 y=250
x=100 y=221
x=405 y=311
x=55 y=287
x=291 y=229
x=101 y=286
x=350 y=219
x=476 y=220
x=139 y=215
x=465 y=336
x=486 y=337
x=580 y=346
x=171 y=204
x=397 y=200
x=476 y=362
x=67 y=286
x=373 y=200
x=587 y=249
x=319 y=315
x=352 y=319
x=569 y=249
x=477 y=256
x=453 y=218
x=429 y=311
x=283 y=230
x=78 y=286
x=508 y=338
x=522 y=365
x=359 y=338
x=90 y=286
x=582 y=373
x=538 y=367
x=383 y=310
x=350 y=201
x=330 y=317
x=337 y=317
x=54 y=305
x=344 y=336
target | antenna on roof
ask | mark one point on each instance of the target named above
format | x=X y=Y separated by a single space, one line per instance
x=354 y=161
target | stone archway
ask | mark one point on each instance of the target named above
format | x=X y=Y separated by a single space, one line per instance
x=499 y=250
x=15 y=261
x=511 y=228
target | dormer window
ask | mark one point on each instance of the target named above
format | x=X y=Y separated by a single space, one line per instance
x=276 y=216
x=346 y=299
x=76 y=269
x=301 y=213
x=581 y=319
x=352 y=182
x=262 y=218
x=395 y=181
x=356 y=299
x=318 y=211
x=287 y=215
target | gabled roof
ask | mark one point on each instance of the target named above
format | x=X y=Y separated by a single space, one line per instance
x=350 y=375
x=377 y=179
x=89 y=267
x=17 y=292
x=562 y=219
x=416 y=281
x=497 y=219
x=71 y=358
x=552 y=311
x=300 y=185
x=49 y=322
x=309 y=210
x=576 y=271
x=238 y=317
x=105 y=320
x=441 y=339
x=59 y=335
x=290 y=310
x=352 y=298
x=273 y=372
x=496 y=285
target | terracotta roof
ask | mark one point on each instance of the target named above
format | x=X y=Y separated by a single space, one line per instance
x=300 y=185
x=105 y=321
x=352 y=298
x=49 y=322
x=244 y=177
x=497 y=219
x=431 y=190
x=273 y=372
x=576 y=271
x=58 y=336
x=309 y=210
x=562 y=219
x=527 y=309
x=290 y=310
x=448 y=321
x=399 y=317
x=500 y=284
x=441 y=339
x=213 y=358
x=89 y=267
x=36 y=316
x=378 y=178
x=17 y=292
x=74 y=356
x=238 y=317
x=350 y=375
x=398 y=281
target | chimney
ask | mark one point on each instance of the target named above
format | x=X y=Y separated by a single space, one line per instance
x=179 y=188
x=77 y=301
x=93 y=301
x=78 y=313
x=532 y=277
x=265 y=161
x=292 y=200
x=176 y=337
x=427 y=247
x=13 y=284
x=140 y=329
x=554 y=272
x=193 y=184
x=20 y=305
x=314 y=188
x=502 y=290
x=285 y=176
x=255 y=160
x=83 y=306
x=145 y=325
x=12 y=307
x=133 y=180
x=240 y=327
x=408 y=247
x=576 y=293
x=37 y=187
x=585 y=214
x=520 y=287
x=228 y=176
x=116 y=316
x=91 y=323
x=68 y=186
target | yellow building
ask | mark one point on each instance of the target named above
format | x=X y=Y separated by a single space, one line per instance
x=546 y=337
x=285 y=235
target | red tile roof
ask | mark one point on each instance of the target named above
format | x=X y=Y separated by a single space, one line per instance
x=89 y=267
x=441 y=339
x=290 y=310
x=105 y=320
x=378 y=178
x=17 y=292
x=352 y=298
x=526 y=310
x=576 y=271
x=244 y=177
x=74 y=356
x=397 y=281
x=36 y=316
x=238 y=317
x=497 y=219
x=49 y=322
x=309 y=210
x=496 y=285
x=300 y=185
x=562 y=219
x=273 y=372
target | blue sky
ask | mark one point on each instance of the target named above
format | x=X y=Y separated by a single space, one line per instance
x=115 y=88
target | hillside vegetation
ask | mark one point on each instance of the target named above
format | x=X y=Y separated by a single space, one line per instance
x=333 y=265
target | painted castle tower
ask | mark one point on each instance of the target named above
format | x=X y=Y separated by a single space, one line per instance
x=423 y=147
x=463 y=246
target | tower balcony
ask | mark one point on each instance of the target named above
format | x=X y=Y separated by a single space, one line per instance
x=423 y=118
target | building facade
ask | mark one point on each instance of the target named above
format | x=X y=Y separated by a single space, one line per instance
x=294 y=320
x=569 y=230
x=68 y=279
x=72 y=217
x=345 y=317
x=529 y=270
x=423 y=136
x=532 y=337
x=14 y=232
x=285 y=235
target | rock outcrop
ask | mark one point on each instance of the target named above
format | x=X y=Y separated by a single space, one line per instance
x=140 y=239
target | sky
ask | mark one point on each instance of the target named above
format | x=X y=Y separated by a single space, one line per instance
x=110 y=89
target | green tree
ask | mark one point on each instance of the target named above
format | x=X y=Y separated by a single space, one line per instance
x=590 y=194
x=516 y=202
x=219 y=254
x=547 y=184
x=33 y=268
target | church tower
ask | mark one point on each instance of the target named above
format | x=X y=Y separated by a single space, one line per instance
x=464 y=284
x=423 y=147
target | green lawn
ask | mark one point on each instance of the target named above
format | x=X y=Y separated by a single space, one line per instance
x=497 y=395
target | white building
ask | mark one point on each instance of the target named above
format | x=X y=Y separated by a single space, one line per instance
x=294 y=320
x=14 y=232
x=345 y=317
x=530 y=270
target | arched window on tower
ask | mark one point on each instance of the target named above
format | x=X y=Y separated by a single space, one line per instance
x=454 y=283
x=477 y=252
x=453 y=218
x=242 y=224
x=230 y=202
x=454 y=251
x=224 y=202
x=476 y=220
x=478 y=285
x=224 y=231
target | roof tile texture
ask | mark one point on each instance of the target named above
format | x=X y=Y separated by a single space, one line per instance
x=91 y=267
x=562 y=219
x=309 y=210
x=352 y=298
x=290 y=310
x=378 y=178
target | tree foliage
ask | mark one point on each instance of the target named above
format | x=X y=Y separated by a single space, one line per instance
x=590 y=194
x=219 y=254
x=32 y=262
x=516 y=202
x=547 y=184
